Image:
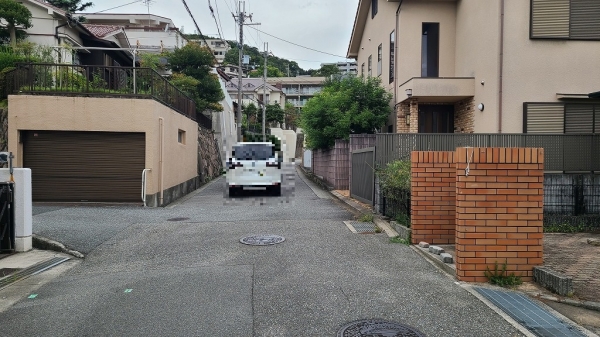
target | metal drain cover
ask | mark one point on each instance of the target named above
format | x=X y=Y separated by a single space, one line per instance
x=377 y=327
x=178 y=219
x=262 y=240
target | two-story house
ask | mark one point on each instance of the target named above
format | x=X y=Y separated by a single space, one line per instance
x=494 y=66
x=253 y=91
x=298 y=90
x=218 y=47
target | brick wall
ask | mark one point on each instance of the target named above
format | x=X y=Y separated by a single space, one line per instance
x=408 y=110
x=433 y=197
x=464 y=116
x=333 y=165
x=499 y=211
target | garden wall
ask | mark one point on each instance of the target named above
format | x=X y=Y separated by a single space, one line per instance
x=333 y=166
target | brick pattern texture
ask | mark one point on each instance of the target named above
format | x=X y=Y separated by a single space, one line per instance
x=499 y=211
x=433 y=197
x=464 y=117
x=410 y=111
x=333 y=165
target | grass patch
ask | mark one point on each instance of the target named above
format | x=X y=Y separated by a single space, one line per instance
x=500 y=277
x=402 y=219
x=398 y=239
x=367 y=217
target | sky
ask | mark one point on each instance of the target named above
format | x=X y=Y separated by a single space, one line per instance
x=324 y=25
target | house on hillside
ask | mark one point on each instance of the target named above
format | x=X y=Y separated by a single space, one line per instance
x=489 y=66
x=53 y=27
x=147 y=31
x=348 y=67
x=253 y=92
x=218 y=46
x=298 y=90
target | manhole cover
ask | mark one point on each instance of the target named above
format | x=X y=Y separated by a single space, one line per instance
x=376 y=327
x=178 y=219
x=262 y=240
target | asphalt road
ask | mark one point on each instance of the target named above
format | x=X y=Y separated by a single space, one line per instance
x=144 y=275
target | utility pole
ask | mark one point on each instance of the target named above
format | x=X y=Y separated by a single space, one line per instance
x=266 y=44
x=241 y=18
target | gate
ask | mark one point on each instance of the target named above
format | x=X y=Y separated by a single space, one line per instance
x=363 y=175
x=7 y=219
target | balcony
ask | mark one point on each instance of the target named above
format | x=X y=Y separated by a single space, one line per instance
x=100 y=81
x=437 y=89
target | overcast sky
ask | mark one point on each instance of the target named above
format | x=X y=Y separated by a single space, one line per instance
x=324 y=25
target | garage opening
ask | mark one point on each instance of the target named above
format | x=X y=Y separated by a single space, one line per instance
x=68 y=166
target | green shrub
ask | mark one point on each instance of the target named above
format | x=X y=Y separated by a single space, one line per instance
x=394 y=179
x=5 y=82
x=367 y=217
x=403 y=219
x=68 y=79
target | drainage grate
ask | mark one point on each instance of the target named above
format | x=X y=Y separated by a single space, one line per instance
x=262 y=240
x=7 y=271
x=361 y=227
x=178 y=219
x=530 y=315
x=33 y=270
x=377 y=327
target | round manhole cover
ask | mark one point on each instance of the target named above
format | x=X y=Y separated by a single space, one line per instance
x=178 y=219
x=376 y=327
x=262 y=240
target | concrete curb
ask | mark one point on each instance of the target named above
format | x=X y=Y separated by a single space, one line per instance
x=437 y=262
x=43 y=243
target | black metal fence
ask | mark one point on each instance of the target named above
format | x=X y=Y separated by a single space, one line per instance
x=572 y=202
x=363 y=175
x=7 y=219
x=398 y=209
x=562 y=152
x=91 y=80
x=204 y=121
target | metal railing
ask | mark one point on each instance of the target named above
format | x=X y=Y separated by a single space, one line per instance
x=91 y=80
x=562 y=152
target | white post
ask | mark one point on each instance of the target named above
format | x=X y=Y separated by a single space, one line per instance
x=23 y=206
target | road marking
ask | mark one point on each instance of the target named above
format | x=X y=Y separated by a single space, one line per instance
x=128 y=290
x=32 y=296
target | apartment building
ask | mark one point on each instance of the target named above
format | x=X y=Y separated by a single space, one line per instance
x=494 y=66
x=344 y=67
x=218 y=46
x=298 y=90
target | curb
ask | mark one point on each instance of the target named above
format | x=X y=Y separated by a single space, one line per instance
x=43 y=243
x=441 y=265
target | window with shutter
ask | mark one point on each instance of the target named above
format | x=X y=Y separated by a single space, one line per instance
x=579 y=118
x=565 y=19
x=544 y=118
x=585 y=19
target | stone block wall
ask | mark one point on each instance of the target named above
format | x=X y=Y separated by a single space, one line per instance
x=433 y=197
x=333 y=165
x=499 y=211
x=410 y=111
x=210 y=162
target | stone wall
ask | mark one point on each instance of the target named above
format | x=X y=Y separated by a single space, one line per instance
x=333 y=166
x=464 y=116
x=210 y=162
x=408 y=110
x=3 y=129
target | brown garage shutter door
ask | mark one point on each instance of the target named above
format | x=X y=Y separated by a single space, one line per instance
x=84 y=166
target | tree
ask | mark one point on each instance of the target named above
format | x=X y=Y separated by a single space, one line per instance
x=326 y=71
x=273 y=114
x=15 y=15
x=196 y=61
x=70 y=6
x=291 y=116
x=271 y=72
x=345 y=106
x=250 y=111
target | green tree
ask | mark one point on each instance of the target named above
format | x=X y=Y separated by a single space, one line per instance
x=250 y=110
x=271 y=72
x=273 y=114
x=291 y=116
x=326 y=71
x=16 y=16
x=70 y=6
x=257 y=60
x=345 y=106
x=196 y=61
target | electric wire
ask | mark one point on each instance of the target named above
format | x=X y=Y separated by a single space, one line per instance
x=295 y=44
x=219 y=16
x=212 y=12
x=199 y=31
x=127 y=4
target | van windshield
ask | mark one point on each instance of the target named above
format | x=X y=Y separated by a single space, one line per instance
x=253 y=152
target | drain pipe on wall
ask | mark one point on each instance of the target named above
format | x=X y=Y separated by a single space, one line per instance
x=396 y=68
x=161 y=138
x=501 y=68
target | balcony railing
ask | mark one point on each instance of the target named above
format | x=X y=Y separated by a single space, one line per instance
x=102 y=81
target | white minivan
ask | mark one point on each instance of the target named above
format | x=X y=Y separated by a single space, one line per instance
x=254 y=166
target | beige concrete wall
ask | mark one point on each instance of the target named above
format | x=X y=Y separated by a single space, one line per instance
x=477 y=55
x=536 y=70
x=180 y=161
x=413 y=14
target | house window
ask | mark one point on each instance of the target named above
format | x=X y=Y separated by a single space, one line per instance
x=181 y=137
x=379 y=59
x=569 y=118
x=392 y=44
x=362 y=70
x=370 y=65
x=373 y=8
x=565 y=19
x=430 y=50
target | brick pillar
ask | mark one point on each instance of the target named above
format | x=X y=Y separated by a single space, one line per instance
x=499 y=211
x=433 y=197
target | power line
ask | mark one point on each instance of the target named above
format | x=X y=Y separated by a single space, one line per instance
x=127 y=4
x=219 y=16
x=199 y=31
x=212 y=12
x=295 y=44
